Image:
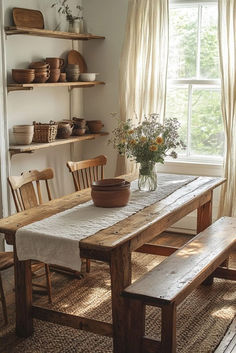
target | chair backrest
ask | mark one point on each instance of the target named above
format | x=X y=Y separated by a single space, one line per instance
x=23 y=190
x=85 y=172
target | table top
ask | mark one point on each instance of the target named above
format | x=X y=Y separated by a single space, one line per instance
x=152 y=218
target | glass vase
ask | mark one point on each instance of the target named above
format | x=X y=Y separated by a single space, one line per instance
x=147 y=180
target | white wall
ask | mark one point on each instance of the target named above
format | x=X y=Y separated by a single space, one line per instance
x=41 y=104
x=104 y=18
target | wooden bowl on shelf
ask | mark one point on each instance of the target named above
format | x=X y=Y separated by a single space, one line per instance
x=54 y=75
x=95 y=126
x=23 y=75
x=111 y=195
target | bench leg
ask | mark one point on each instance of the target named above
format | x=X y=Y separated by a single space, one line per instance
x=204 y=220
x=136 y=326
x=168 y=329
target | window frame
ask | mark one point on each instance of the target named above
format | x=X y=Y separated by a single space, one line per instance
x=194 y=82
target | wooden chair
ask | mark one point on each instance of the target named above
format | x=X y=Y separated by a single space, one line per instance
x=25 y=197
x=6 y=261
x=84 y=173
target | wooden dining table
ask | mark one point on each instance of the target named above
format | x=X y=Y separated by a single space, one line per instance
x=112 y=245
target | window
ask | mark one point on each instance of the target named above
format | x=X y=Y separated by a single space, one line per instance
x=193 y=93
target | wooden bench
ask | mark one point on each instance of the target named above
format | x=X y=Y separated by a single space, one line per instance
x=170 y=282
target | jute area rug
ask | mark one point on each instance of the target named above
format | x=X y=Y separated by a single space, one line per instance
x=202 y=321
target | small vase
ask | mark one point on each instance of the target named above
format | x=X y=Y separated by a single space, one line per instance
x=76 y=26
x=147 y=176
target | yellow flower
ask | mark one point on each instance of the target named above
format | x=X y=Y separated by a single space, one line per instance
x=153 y=148
x=123 y=141
x=159 y=140
x=130 y=132
x=143 y=139
x=133 y=142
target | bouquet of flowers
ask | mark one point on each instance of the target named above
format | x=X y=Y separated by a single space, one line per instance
x=147 y=143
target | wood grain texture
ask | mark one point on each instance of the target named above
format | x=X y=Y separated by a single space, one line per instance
x=81 y=323
x=14 y=149
x=18 y=86
x=87 y=171
x=153 y=220
x=173 y=279
x=13 y=30
x=168 y=328
x=120 y=269
x=228 y=344
x=23 y=295
x=28 y=18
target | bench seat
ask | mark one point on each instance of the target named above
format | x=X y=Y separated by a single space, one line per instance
x=170 y=282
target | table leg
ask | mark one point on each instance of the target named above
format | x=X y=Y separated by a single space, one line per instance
x=204 y=216
x=23 y=294
x=120 y=268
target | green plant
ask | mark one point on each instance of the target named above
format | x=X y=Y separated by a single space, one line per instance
x=149 y=140
x=64 y=8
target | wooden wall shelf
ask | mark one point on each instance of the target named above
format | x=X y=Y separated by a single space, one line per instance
x=29 y=86
x=13 y=30
x=15 y=149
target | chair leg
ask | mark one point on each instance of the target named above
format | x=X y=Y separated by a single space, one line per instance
x=49 y=285
x=88 y=262
x=3 y=300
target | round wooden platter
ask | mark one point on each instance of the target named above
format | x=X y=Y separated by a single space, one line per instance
x=74 y=57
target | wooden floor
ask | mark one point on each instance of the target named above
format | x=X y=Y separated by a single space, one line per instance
x=228 y=344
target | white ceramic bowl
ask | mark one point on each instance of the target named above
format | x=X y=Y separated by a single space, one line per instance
x=23 y=128
x=88 y=76
x=22 y=138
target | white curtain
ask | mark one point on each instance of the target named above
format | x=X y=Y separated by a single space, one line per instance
x=143 y=67
x=227 y=46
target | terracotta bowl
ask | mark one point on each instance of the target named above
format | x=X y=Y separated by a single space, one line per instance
x=112 y=196
x=39 y=65
x=108 y=182
x=23 y=76
x=95 y=126
x=54 y=75
x=41 y=77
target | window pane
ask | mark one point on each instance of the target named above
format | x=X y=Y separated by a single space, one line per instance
x=207 y=137
x=209 y=58
x=183 y=42
x=177 y=107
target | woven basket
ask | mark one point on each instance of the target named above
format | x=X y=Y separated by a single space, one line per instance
x=45 y=132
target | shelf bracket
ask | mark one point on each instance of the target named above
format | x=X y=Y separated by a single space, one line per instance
x=12 y=153
x=13 y=89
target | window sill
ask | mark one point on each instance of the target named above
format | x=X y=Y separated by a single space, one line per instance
x=193 y=168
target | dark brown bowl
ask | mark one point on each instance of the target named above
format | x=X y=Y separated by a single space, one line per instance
x=109 y=182
x=111 y=198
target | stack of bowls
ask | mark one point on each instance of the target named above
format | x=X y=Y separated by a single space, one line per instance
x=23 y=134
x=42 y=71
x=56 y=65
x=72 y=72
x=79 y=126
x=110 y=193
x=23 y=75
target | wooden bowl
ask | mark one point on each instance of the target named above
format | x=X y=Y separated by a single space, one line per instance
x=23 y=76
x=108 y=182
x=95 y=126
x=111 y=196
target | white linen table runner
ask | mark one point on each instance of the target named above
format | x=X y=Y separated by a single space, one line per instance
x=55 y=240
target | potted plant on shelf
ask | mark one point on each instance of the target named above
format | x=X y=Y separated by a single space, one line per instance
x=147 y=143
x=75 y=22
